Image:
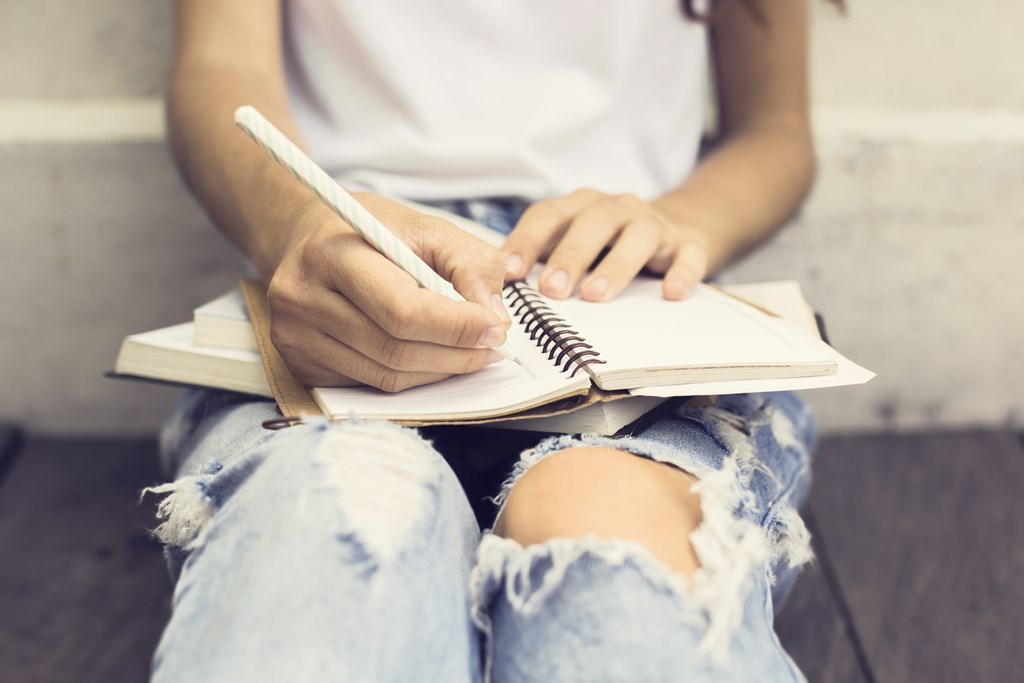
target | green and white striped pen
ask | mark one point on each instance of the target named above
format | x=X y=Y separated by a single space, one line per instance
x=284 y=151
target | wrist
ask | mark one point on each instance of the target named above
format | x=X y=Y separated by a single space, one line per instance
x=294 y=222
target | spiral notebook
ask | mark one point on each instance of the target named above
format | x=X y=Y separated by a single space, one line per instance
x=573 y=349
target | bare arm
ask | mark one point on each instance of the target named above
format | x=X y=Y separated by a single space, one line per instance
x=757 y=176
x=224 y=58
x=763 y=166
x=340 y=312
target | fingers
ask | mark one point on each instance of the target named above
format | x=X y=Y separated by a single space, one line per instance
x=394 y=301
x=541 y=225
x=315 y=361
x=593 y=229
x=342 y=321
x=343 y=314
x=327 y=341
x=637 y=243
x=578 y=227
x=476 y=269
x=688 y=268
x=401 y=309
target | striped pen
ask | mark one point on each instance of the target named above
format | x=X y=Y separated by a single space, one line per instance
x=284 y=152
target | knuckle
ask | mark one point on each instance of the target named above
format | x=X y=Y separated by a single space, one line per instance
x=646 y=230
x=389 y=380
x=286 y=343
x=481 y=256
x=493 y=259
x=315 y=241
x=630 y=201
x=402 y=318
x=471 y=362
x=464 y=332
x=312 y=255
x=281 y=295
x=395 y=353
x=571 y=255
x=543 y=212
x=285 y=302
x=420 y=228
x=693 y=255
x=588 y=193
x=608 y=210
x=279 y=339
x=688 y=271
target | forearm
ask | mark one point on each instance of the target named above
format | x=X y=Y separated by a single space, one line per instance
x=250 y=198
x=764 y=165
x=745 y=190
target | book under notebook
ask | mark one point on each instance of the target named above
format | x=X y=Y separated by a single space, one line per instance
x=170 y=354
x=224 y=323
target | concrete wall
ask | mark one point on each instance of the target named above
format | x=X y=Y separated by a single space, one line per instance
x=910 y=245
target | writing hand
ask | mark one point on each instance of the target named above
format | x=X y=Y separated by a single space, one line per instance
x=342 y=314
x=572 y=231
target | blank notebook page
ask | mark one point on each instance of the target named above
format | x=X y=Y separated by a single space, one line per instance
x=493 y=389
x=641 y=330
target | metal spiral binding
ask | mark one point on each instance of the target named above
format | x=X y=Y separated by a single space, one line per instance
x=553 y=335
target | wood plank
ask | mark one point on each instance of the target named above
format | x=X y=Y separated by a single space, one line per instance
x=811 y=627
x=922 y=533
x=926 y=534
x=83 y=590
x=10 y=444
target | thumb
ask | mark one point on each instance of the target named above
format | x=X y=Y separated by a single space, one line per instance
x=475 y=268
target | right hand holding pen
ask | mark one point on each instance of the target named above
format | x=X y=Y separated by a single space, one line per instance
x=342 y=314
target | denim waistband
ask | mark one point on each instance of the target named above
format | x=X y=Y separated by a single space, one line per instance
x=497 y=213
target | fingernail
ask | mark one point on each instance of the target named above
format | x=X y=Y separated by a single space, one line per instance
x=555 y=282
x=597 y=287
x=675 y=289
x=492 y=358
x=493 y=336
x=498 y=306
x=514 y=265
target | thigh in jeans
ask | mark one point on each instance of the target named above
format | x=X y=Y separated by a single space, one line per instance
x=603 y=609
x=318 y=552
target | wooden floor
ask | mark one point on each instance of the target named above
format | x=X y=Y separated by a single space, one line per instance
x=919 y=539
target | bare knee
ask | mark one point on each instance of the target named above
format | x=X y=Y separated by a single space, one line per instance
x=604 y=492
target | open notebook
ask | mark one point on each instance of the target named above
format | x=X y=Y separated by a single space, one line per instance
x=176 y=355
x=574 y=348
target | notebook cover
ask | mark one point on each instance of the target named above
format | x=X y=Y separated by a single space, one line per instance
x=292 y=396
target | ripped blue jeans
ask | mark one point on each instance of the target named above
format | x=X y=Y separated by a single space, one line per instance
x=350 y=552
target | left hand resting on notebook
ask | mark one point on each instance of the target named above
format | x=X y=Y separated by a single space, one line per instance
x=571 y=231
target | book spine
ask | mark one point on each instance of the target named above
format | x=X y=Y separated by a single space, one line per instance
x=564 y=347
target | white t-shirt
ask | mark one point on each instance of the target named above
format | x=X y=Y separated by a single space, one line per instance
x=445 y=99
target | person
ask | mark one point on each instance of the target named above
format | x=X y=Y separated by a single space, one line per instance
x=351 y=551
